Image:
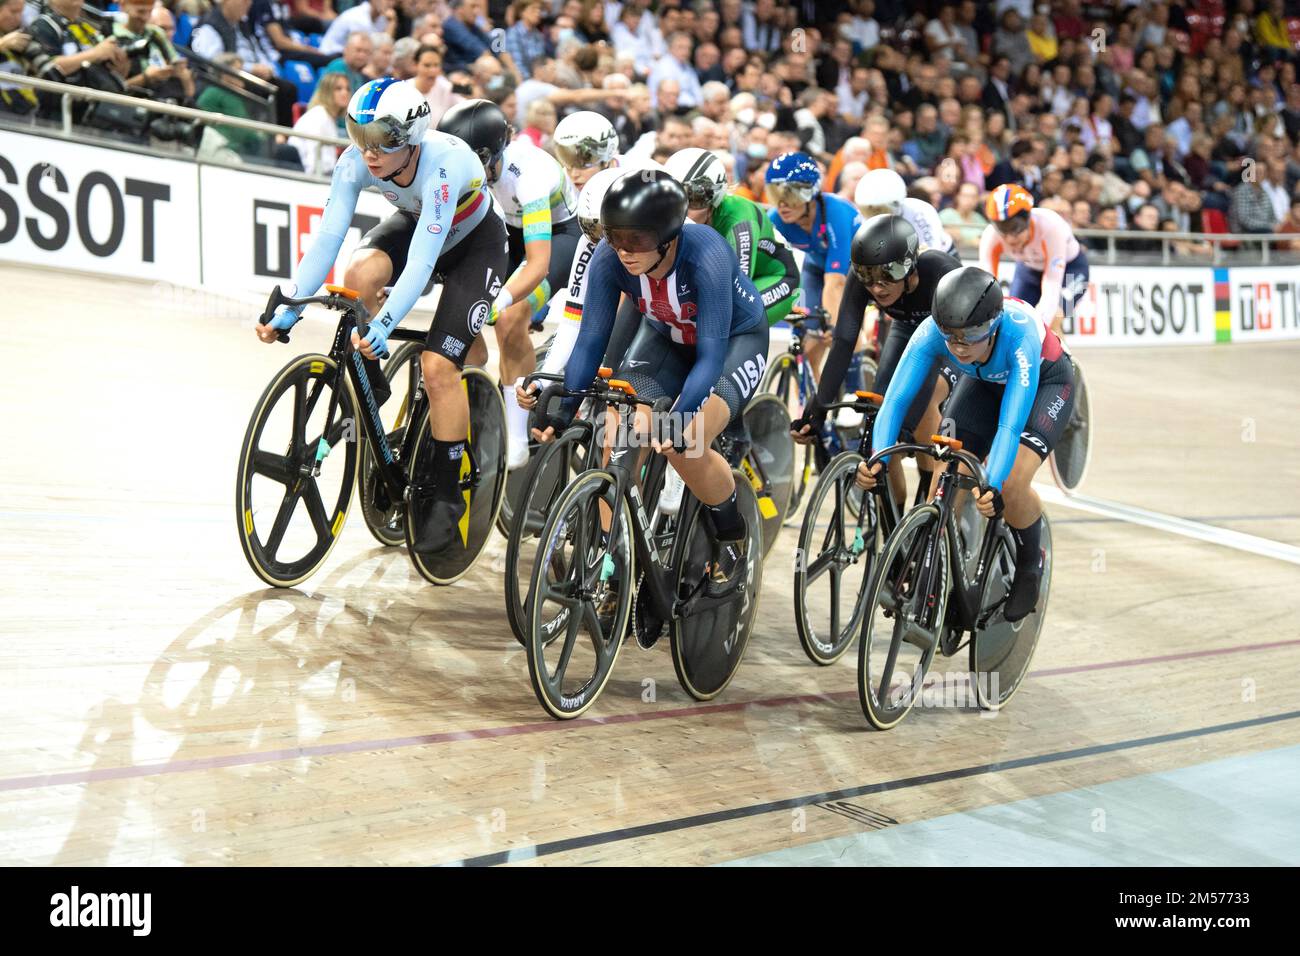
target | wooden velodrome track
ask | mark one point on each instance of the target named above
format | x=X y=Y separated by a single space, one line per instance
x=159 y=706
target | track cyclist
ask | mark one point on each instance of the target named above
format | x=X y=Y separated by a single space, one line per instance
x=1011 y=404
x=702 y=341
x=444 y=224
x=889 y=272
x=883 y=192
x=539 y=204
x=1051 y=264
x=822 y=226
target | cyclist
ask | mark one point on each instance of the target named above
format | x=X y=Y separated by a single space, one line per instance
x=538 y=203
x=1051 y=264
x=890 y=273
x=822 y=225
x=883 y=192
x=1010 y=404
x=444 y=224
x=585 y=143
x=702 y=340
x=763 y=254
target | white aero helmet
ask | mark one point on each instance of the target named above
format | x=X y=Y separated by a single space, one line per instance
x=593 y=194
x=701 y=174
x=387 y=114
x=881 y=190
x=584 y=139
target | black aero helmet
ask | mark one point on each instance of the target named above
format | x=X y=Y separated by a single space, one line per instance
x=483 y=126
x=884 y=250
x=643 y=211
x=968 y=304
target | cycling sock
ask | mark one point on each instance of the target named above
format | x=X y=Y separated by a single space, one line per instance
x=516 y=417
x=727 y=521
x=446 y=468
x=1027 y=551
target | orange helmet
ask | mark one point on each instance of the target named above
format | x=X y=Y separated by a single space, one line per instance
x=1007 y=202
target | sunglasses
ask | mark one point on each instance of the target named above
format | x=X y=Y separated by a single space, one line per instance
x=632 y=240
x=968 y=336
x=882 y=274
x=791 y=194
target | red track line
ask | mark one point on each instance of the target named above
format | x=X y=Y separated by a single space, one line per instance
x=324 y=750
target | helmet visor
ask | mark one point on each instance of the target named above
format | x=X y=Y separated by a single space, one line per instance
x=791 y=194
x=632 y=240
x=700 y=193
x=970 y=335
x=384 y=134
x=585 y=152
x=591 y=228
x=1013 y=226
x=881 y=273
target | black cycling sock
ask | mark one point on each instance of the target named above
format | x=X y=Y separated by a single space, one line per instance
x=446 y=467
x=1027 y=551
x=727 y=521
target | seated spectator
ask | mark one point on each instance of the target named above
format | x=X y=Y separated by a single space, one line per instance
x=432 y=84
x=676 y=66
x=1185 y=247
x=403 y=67
x=20 y=54
x=356 y=57
x=311 y=16
x=1011 y=41
x=927 y=143
x=761 y=25
x=381 y=60
x=228 y=28
x=1290 y=225
x=465 y=40
x=274 y=16
x=1018 y=167
x=1042 y=36
x=154 y=63
x=591 y=23
x=850 y=175
x=370 y=16
x=72 y=50
x=963 y=219
x=1145 y=220
x=539 y=123
x=250 y=144
x=1081 y=214
x=542 y=85
x=325 y=116
x=1250 y=209
x=524 y=41
x=1273 y=182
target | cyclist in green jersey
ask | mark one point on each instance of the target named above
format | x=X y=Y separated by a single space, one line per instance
x=764 y=256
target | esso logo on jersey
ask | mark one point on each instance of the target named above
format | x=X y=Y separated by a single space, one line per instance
x=390 y=196
x=435 y=228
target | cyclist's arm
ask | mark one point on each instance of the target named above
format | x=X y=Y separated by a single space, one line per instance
x=912 y=374
x=350 y=174
x=777 y=280
x=848 y=324
x=531 y=274
x=838 y=258
x=990 y=250
x=714 y=268
x=431 y=232
x=1049 y=299
x=573 y=298
x=1017 y=401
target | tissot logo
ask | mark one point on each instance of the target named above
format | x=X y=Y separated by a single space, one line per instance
x=282 y=233
x=75 y=909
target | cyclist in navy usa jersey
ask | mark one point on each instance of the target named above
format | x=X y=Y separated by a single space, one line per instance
x=445 y=224
x=822 y=226
x=702 y=340
x=1011 y=403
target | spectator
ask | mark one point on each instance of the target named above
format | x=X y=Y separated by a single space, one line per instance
x=19 y=53
x=715 y=102
x=1019 y=167
x=674 y=133
x=249 y=144
x=1274 y=185
x=311 y=16
x=381 y=59
x=524 y=41
x=591 y=23
x=404 y=52
x=628 y=37
x=1251 y=210
x=1145 y=220
x=761 y=27
x=227 y=28
x=708 y=65
x=369 y=16
x=1081 y=214
x=1128 y=136
x=963 y=220
x=324 y=117
x=676 y=66
x=154 y=62
x=997 y=92
x=539 y=123
x=71 y=50
x=850 y=176
x=942 y=37
x=1011 y=41
x=356 y=57
x=928 y=142
x=1290 y=225
x=273 y=17
x=465 y=40
x=432 y=84
x=1042 y=35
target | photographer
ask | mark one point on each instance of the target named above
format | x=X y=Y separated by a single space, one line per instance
x=19 y=53
x=154 y=64
x=82 y=56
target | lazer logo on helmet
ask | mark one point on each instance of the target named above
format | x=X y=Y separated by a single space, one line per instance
x=416 y=112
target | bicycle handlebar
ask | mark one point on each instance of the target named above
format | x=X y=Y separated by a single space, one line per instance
x=331 y=300
x=939 y=453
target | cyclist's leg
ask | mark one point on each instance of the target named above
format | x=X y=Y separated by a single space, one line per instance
x=1074 y=288
x=896 y=339
x=472 y=268
x=811 y=282
x=1026 y=284
x=376 y=261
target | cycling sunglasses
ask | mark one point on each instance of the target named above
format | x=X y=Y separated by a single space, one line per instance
x=881 y=274
x=791 y=194
x=632 y=240
x=972 y=335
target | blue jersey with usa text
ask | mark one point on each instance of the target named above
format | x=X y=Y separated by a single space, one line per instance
x=827 y=246
x=1021 y=347
x=702 y=302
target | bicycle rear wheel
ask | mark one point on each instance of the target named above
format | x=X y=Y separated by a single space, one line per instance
x=486 y=451
x=709 y=642
x=771 y=446
x=902 y=621
x=289 y=517
x=834 y=565
x=1001 y=652
x=1073 y=452
x=547 y=475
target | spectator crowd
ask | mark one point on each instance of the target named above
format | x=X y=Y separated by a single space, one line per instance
x=1149 y=117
